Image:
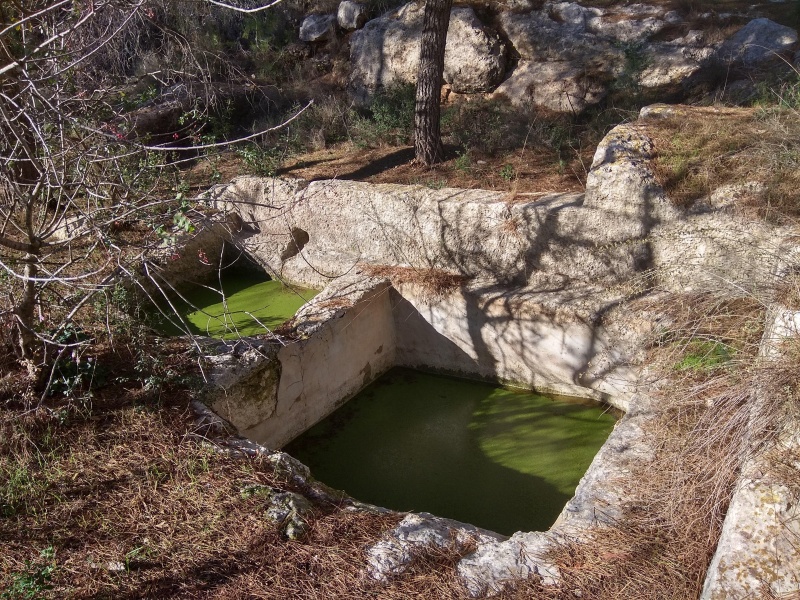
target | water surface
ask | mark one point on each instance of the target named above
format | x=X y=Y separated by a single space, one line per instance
x=247 y=305
x=506 y=460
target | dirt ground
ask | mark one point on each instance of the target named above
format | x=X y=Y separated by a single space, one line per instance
x=525 y=173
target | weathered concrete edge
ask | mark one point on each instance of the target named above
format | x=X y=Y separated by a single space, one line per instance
x=272 y=391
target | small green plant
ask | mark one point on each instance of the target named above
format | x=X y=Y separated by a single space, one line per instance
x=704 y=356
x=134 y=101
x=260 y=160
x=394 y=108
x=216 y=174
x=137 y=554
x=627 y=86
x=433 y=183
x=463 y=162
x=256 y=490
x=31 y=583
x=72 y=369
x=775 y=94
x=19 y=483
x=508 y=173
x=389 y=120
x=179 y=219
x=484 y=126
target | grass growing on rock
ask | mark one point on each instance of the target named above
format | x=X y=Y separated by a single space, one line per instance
x=753 y=152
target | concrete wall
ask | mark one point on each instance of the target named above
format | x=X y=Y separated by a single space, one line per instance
x=290 y=388
x=360 y=327
x=506 y=336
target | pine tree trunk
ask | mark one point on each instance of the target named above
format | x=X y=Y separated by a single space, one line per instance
x=428 y=147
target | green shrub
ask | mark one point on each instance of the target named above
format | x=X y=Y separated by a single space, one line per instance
x=463 y=163
x=507 y=172
x=389 y=118
x=261 y=160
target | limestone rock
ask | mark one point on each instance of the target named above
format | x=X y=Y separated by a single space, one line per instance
x=351 y=15
x=474 y=58
x=572 y=13
x=758 y=41
x=244 y=384
x=632 y=23
x=758 y=549
x=386 y=52
x=596 y=502
x=621 y=179
x=562 y=67
x=318 y=28
x=672 y=63
x=393 y=554
x=290 y=510
x=538 y=37
x=487 y=570
x=571 y=55
x=555 y=85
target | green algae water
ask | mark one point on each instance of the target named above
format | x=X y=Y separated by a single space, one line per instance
x=251 y=302
x=506 y=460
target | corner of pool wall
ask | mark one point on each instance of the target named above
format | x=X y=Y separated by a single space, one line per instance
x=359 y=327
x=347 y=339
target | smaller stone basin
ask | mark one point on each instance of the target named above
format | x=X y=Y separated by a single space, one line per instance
x=251 y=305
x=502 y=459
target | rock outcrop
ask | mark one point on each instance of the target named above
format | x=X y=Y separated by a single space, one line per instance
x=572 y=56
x=351 y=15
x=318 y=28
x=386 y=52
x=567 y=57
x=757 y=42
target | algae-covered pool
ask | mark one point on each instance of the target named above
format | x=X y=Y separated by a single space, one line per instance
x=247 y=304
x=502 y=459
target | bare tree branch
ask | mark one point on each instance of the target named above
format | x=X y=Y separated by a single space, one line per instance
x=245 y=10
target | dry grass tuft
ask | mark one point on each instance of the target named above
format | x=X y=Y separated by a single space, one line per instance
x=757 y=149
x=435 y=283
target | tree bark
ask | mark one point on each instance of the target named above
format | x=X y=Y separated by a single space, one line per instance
x=25 y=319
x=428 y=147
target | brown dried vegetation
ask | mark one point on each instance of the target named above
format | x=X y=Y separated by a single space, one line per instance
x=136 y=502
x=757 y=149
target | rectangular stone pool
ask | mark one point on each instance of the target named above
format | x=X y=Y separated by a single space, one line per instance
x=503 y=459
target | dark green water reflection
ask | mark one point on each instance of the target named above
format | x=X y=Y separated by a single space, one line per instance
x=502 y=459
x=251 y=302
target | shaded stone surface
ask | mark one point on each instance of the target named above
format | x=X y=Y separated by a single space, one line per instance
x=758 y=41
x=318 y=28
x=351 y=15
